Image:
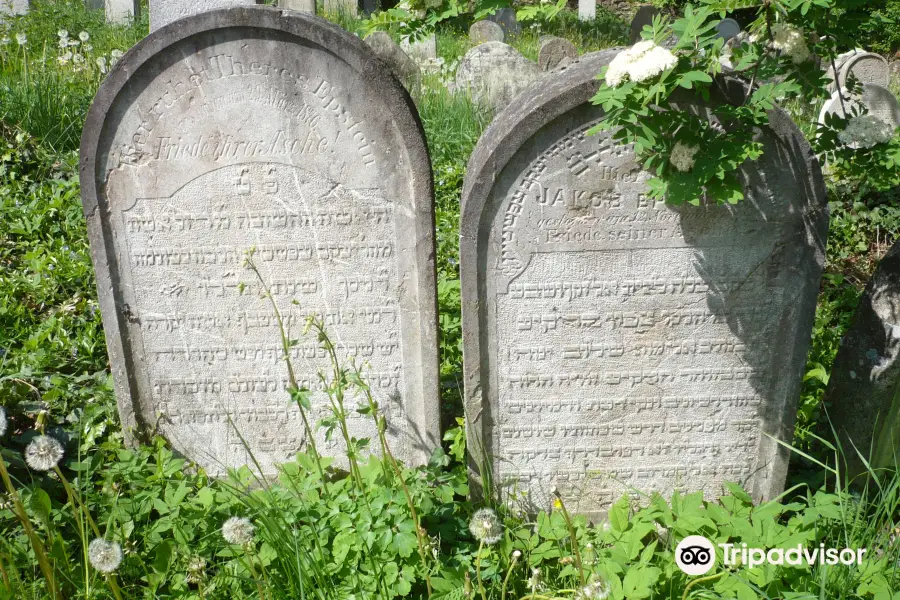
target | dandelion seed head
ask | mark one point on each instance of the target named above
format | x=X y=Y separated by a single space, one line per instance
x=43 y=453
x=104 y=556
x=485 y=526
x=2 y=421
x=238 y=530
x=84 y=36
x=63 y=34
x=21 y=39
x=598 y=590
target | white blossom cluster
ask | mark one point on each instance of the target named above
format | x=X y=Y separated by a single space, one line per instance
x=791 y=41
x=641 y=62
x=865 y=131
x=682 y=156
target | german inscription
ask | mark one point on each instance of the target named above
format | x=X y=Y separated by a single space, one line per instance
x=256 y=142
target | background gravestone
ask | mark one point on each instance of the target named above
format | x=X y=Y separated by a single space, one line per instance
x=615 y=342
x=307 y=6
x=399 y=62
x=555 y=51
x=876 y=100
x=486 y=31
x=506 y=19
x=493 y=73
x=727 y=29
x=643 y=16
x=163 y=12
x=867 y=67
x=94 y=4
x=863 y=395
x=122 y=12
x=275 y=130
x=350 y=7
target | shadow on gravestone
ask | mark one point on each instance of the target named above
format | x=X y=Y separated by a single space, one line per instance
x=275 y=130
x=614 y=343
x=863 y=395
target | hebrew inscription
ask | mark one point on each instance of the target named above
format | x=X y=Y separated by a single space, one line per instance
x=626 y=345
x=256 y=143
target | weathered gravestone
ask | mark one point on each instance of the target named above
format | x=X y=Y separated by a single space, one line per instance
x=486 y=31
x=399 y=62
x=163 y=12
x=94 y=4
x=617 y=343
x=421 y=50
x=643 y=16
x=554 y=51
x=587 y=10
x=506 y=19
x=275 y=130
x=727 y=28
x=122 y=12
x=863 y=395
x=493 y=73
x=307 y=6
x=875 y=100
x=866 y=67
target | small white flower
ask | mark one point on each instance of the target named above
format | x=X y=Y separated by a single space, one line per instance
x=682 y=156
x=2 y=421
x=238 y=530
x=534 y=581
x=84 y=36
x=63 y=34
x=63 y=43
x=43 y=453
x=21 y=39
x=517 y=554
x=196 y=569
x=486 y=526
x=65 y=58
x=865 y=131
x=88 y=48
x=104 y=556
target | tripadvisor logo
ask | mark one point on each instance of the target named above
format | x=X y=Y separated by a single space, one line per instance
x=696 y=555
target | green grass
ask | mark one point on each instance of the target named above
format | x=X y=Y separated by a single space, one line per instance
x=354 y=537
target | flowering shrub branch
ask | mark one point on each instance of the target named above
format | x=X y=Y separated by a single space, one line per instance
x=695 y=157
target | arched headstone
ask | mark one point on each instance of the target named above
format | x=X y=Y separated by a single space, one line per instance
x=876 y=100
x=278 y=132
x=867 y=67
x=614 y=343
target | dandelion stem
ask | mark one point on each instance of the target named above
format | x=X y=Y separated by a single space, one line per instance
x=36 y=543
x=114 y=586
x=248 y=551
x=509 y=571
x=571 y=528
x=478 y=570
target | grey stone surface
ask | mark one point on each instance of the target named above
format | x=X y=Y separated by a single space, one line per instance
x=163 y=12
x=307 y=6
x=400 y=64
x=486 y=31
x=875 y=100
x=260 y=128
x=94 y=4
x=587 y=10
x=493 y=73
x=867 y=67
x=862 y=400
x=122 y=12
x=421 y=50
x=13 y=7
x=506 y=18
x=613 y=342
x=727 y=29
x=553 y=51
x=334 y=7
x=643 y=16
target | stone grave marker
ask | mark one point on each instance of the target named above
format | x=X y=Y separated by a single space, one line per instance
x=122 y=12
x=643 y=16
x=493 y=73
x=258 y=128
x=421 y=50
x=506 y=18
x=727 y=29
x=587 y=10
x=400 y=64
x=862 y=399
x=618 y=343
x=876 y=100
x=307 y=6
x=486 y=31
x=163 y=12
x=554 y=51
x=867 y=67
x=94 y=4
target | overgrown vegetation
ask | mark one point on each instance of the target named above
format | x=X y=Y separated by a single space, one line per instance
x=350 y=535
